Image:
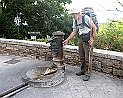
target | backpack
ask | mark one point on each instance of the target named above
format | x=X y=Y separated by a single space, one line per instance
x=90 y=12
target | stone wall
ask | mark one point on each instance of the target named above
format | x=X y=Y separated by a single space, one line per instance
x=109 y=62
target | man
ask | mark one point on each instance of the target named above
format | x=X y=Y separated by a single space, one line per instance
x=84 y=46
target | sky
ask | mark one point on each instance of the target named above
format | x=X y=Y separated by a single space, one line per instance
x=104 y=9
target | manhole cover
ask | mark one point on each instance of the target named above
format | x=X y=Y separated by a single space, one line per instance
x=12 y=61
x=43 y=76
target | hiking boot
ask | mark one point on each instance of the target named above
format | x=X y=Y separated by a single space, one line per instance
x=80 y=73
x=83 y=69
x=86 y=77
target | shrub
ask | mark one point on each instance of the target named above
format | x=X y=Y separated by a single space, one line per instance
x=110 y=36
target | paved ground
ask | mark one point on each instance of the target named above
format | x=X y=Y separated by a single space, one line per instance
x=99 y=86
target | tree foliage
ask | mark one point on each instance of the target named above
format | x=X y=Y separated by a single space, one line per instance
x=45 y=16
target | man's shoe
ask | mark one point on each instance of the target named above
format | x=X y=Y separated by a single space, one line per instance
x=80 y=73
x=86 y=77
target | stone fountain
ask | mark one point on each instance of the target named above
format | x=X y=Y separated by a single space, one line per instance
x=53 y=74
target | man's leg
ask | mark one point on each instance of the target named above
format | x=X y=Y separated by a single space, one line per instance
x=82 y=57
x=88 y=58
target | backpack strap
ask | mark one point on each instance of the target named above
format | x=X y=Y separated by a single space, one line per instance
x=76 y=25
x=83 y=21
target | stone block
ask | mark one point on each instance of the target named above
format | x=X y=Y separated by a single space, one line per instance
x=118 y=72
x=109 y=63
x=96 y=65
x=107 y=70
x=121 y=66
x=104 y=63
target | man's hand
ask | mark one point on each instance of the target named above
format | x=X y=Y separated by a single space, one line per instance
x=70 y=36
x=91 y=41
x=65 y=42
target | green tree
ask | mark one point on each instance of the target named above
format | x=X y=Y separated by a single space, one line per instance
x=45 y=16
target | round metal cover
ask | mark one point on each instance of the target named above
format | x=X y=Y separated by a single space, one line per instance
x=43 y=76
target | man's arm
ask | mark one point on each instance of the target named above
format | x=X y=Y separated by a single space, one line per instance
x=90 y=23
x=94 y=29
x=70 y=36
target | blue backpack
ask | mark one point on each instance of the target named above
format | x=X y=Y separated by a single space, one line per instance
x=90 y=12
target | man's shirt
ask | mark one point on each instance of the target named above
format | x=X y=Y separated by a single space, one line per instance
x=82 y=28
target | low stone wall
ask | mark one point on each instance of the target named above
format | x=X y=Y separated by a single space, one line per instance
x=109 y=62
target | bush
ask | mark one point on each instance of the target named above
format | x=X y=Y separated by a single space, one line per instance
x=110 y=36
x=41 y=40
x=74 y=41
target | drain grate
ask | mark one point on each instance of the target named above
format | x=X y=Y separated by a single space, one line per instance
x=12 y=61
